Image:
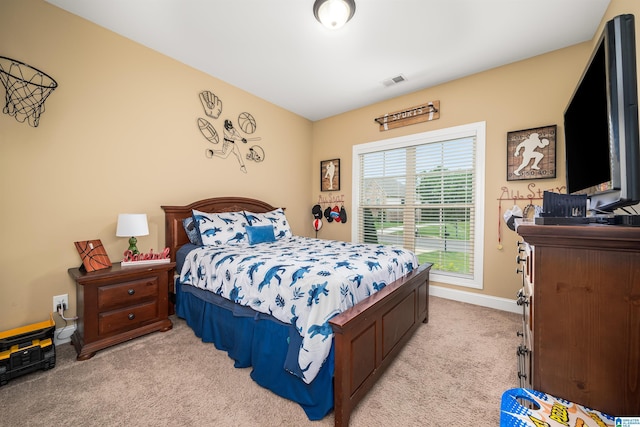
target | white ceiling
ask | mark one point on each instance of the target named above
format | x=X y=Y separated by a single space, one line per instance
x=277 y=51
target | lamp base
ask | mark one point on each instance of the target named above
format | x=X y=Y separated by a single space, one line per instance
x=132 y=246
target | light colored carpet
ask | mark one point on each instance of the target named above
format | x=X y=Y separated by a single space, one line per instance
x=452 y=373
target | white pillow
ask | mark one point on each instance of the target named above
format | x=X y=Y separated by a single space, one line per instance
x=221 y=228
x=276 y=217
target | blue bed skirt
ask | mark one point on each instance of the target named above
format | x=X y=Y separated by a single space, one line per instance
x=255 y=340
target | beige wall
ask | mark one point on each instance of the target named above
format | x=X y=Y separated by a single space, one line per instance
x=120 y=135
x=522 y=95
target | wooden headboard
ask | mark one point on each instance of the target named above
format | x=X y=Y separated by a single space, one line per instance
x=174 y=233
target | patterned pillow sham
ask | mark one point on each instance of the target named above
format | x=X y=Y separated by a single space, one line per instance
x=221 y=228
x=276 y=217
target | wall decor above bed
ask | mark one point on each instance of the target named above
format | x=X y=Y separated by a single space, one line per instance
x=234 y=141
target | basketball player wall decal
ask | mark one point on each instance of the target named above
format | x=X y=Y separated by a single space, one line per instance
x=233 y=140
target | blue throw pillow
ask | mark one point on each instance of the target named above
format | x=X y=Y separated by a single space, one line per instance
x=260 y=234
x=276 y=217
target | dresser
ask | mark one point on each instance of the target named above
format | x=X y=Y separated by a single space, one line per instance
x=118 y=304
x=580 y=295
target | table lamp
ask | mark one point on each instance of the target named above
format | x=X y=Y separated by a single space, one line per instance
x=132 y=225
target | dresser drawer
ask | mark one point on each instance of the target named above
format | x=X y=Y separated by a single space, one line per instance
x=124 y=294
x=126 y=318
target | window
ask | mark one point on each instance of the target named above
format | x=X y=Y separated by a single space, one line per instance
x=425 y=192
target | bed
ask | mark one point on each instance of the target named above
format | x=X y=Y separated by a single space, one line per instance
x=363 y=339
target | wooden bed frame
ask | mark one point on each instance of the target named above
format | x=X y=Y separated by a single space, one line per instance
x=367 y=337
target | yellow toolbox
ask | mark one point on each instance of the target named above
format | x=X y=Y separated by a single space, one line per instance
x=26 y=349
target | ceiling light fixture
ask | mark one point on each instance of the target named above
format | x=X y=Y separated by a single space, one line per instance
x=333 y=14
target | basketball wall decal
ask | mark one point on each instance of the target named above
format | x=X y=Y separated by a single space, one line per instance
x=246 y=122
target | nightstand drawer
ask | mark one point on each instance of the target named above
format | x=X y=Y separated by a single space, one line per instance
x=126 y=318
x=127 y=293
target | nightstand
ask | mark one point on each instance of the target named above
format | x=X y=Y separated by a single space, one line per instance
x=118 y=304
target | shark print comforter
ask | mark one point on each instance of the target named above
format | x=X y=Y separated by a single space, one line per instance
x=299 y=281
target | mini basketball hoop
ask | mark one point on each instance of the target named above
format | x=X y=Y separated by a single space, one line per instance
x=27 y=89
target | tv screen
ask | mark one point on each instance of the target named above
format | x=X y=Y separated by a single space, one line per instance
x=601 y=123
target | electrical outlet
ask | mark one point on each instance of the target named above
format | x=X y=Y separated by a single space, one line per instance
x=61 y=299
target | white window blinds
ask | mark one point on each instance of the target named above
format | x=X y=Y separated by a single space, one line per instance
x=421 y=192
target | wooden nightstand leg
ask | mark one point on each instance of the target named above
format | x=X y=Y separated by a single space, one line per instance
x=88 y=356
x=82 y=353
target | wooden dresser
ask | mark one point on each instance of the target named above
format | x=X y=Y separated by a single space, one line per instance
x=120 y=303
x=581 y=306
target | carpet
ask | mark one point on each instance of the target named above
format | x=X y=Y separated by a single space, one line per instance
x=452 y=373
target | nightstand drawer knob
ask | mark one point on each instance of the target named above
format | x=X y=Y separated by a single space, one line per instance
x=131 y=316
x=131 y=291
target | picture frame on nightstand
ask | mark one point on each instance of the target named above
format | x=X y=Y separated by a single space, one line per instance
x=93 y=254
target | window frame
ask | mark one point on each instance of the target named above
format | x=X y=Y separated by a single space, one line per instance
x=477 y=130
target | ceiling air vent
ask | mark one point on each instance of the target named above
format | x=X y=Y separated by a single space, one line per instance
x=394 y=80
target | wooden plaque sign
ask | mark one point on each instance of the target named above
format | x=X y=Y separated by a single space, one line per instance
x=409 y=116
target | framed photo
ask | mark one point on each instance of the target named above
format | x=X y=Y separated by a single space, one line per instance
x=531 y=153
x=93 y=254
x=330 y=175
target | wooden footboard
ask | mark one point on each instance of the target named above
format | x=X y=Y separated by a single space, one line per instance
x=371 y=334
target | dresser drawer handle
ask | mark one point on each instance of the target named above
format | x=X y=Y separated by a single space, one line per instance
x=131 y=316
x=131 y=291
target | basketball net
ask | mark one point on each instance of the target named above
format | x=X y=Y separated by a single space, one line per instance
x=27 y=89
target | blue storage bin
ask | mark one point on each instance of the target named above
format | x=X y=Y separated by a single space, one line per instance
x=521 y=407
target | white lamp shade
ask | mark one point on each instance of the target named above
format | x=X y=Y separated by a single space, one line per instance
x=334 y=14
x=132 y=225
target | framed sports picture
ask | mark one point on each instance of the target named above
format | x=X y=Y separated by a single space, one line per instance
x=330 y=175
x=94 y=255
x=531 y=153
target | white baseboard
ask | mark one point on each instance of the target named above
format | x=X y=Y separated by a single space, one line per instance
x=63 y=335
x=498 y=303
